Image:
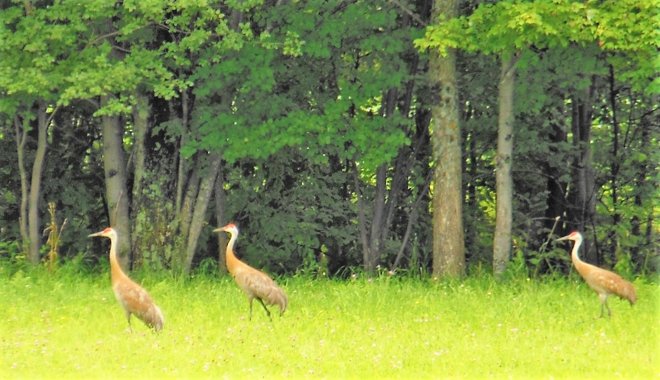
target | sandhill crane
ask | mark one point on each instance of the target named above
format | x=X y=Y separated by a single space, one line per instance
x=600 y=280
x=254 y=283
x=131 y=296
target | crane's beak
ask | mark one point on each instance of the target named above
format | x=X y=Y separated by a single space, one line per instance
x=95 y=234
x=562 y=238
x=220 y=229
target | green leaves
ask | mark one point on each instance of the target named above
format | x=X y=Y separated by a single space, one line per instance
x=509 y=26
x=60 y=53
x=314 y=79
x=625 y=28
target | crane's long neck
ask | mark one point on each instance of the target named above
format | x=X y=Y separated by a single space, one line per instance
x=115 y=268
x=579 y=264
x=232 y=261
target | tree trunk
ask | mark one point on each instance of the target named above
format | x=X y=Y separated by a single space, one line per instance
x=614 y=167
x=372 y=256
x=188 y=204
x=388 y=201
x=34 y=222
x=221 y=219
x=470 y=168
x=583 y=208
x=448 y=238
x=372 y=237
x=21 y=139
x=556 y=188
x=29 y=219
x=182 y=167
x=503 y=163
x=206 y=188
x=640 y=182
x=184 y=218
x=114 y=165
x=471 y=200
x=387 y=193
x=412 y=214
x=140 y=128
x=362 y=219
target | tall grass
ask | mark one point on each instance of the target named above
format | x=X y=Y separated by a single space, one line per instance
x=70 y=326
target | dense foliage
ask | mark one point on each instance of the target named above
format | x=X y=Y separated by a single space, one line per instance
x=307 y=123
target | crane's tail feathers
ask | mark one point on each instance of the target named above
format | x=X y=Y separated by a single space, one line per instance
x=630 y=294
x=278 y=297
x=161 y=319
x=284 y=304
x=626 y=290
x=154 y=318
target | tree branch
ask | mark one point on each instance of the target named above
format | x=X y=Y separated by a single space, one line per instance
x=412 y=216
x=409 y=12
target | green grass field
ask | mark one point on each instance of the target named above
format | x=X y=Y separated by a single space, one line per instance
x=71 y=327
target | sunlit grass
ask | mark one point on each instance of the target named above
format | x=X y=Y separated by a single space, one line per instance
x=72 y=327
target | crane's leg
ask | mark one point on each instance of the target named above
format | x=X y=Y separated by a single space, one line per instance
x=128 y=318
x=604 y=306
x=609 y=312
x=265 y=308
x=251 y=299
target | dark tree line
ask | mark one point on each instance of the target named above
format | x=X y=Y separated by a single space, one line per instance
x=312 y=125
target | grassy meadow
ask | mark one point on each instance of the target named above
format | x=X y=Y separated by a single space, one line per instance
x=70 y=326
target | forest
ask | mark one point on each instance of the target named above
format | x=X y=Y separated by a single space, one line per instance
x=423 y=137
